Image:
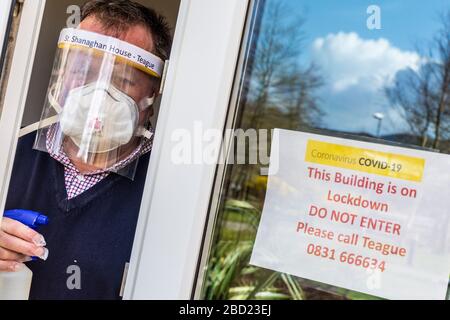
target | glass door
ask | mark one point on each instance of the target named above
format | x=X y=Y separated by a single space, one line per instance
x=7 y=30
x=336 y=68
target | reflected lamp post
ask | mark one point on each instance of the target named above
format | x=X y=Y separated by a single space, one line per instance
x=379 y=116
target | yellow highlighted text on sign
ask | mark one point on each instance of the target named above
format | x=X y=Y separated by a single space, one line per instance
x=365 y=160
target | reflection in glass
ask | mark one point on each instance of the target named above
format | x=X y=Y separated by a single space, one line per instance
x=6 y=51
x=315 y=65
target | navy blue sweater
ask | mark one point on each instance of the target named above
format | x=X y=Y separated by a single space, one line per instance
x=90 y=235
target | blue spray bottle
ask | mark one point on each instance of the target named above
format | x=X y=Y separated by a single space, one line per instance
x=16 y=285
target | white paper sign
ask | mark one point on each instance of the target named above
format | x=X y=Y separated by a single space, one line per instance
x=362 y=216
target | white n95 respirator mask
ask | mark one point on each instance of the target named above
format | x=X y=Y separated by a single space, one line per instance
x=97 y=108
x=99 y=118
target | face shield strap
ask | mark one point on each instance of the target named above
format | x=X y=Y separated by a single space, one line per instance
x=150 y=101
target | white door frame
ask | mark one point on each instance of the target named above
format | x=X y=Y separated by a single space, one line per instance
x=176 y=197
x=16 y=90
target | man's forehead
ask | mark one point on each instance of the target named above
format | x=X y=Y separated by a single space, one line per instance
x=137 y=35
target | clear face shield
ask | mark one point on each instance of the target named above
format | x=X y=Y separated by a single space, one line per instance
x=98 y=102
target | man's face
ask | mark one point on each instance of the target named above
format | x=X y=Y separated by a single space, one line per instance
x=135 y=83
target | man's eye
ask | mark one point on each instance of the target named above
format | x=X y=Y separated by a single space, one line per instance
x=128 y=82
x=124 y=82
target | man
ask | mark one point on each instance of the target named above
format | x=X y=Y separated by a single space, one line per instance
x=101 y=93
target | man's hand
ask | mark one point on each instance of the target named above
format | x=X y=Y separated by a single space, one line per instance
x=18 y=243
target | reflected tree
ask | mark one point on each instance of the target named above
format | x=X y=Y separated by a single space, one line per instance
x=278 y=79
x=424 y=95
x=278 y=92
x=281 y=90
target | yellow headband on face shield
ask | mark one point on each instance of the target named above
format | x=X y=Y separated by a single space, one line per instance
x=124 y=51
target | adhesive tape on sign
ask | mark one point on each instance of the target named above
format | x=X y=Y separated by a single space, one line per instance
x=135 y=56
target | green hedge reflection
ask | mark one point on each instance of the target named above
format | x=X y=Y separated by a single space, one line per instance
x=231 y=277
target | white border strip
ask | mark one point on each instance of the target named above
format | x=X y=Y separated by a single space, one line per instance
x=138 y=56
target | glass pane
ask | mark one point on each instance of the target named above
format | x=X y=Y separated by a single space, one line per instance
x=341 y=67
x=73 y=187
x=9 y=21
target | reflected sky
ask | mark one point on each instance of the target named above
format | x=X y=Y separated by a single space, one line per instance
x=357 y=63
